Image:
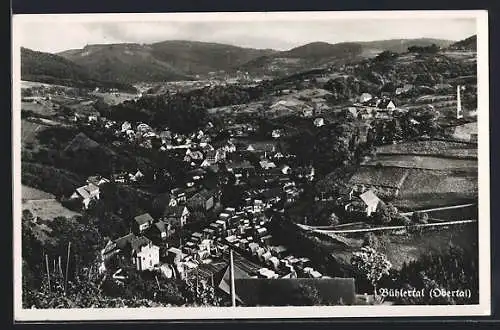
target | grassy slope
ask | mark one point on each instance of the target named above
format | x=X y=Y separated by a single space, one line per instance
x=55 y=69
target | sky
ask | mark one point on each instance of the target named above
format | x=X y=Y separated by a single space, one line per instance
x=58 y=35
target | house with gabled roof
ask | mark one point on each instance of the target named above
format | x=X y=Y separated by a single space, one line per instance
x=370 y=200
x=86 y=194
x=140 y=249
x=159 y=231
x=148 y=257
x=176 y=216
x=386 y=104
x=142 y=222
x=204 y=200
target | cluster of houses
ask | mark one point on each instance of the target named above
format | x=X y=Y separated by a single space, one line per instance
x=91 y=190
x=202 y=254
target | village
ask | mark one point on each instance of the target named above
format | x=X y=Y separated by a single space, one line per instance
x=233 y=243
x=240 y=188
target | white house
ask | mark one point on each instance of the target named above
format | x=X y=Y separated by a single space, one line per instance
x=126 y=126
x=276 y=133
x=307 y=111
x=318 y=122
x=86 y=193
x=365 y=97
x=136 y=177
x=266 y=165
x=143 y=222
x=148 y=257
x=370 y=200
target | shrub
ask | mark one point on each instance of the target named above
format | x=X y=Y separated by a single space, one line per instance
x=420 y=217
x=371 y=240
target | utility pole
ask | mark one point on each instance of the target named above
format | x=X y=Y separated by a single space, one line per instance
x=158 y=282
x=48 y=270
x=67 y=269
x=231 y=265
x=60 y=267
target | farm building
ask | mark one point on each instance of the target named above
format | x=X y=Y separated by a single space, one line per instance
x=365 y=97
x=142 y=222
x=147 y=257
x=86 y=194
x=371 y=201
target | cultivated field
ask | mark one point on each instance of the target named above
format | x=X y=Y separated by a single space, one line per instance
x=428 y=173
x=115 y=98
x=433 y=147
x=462 y=213
x=463 y=132
x=430 y=188
x=43 y=205
x=423 y=162
x=29 y=131
x=379 y=176
x=44 y=108
x=30 y=193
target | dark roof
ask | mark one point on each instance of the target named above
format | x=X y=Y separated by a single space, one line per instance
x=204 y=194
x=272 y=192
x=162 y=226
x=174 y=211
x=289 y=291
x=132 y=241
x=384 y=103
x=197 y=171
x=213 y=270
x=225 y=281
x=243 y=164
x=143 y=218
x=123 y=241
x=138 y=242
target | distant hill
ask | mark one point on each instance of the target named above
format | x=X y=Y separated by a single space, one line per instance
x=163 y=61
x=401 y=45
x=320 y=54
x=185 y=60
x=466 y=44
x=50 y=68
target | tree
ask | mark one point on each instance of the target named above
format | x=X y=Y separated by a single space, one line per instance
x=305 y=295
x=371 y=240
x=420 y=217
x=333 y=219
x=383 y=214
x=371 y=264
x=386 y=213
x=384 y=56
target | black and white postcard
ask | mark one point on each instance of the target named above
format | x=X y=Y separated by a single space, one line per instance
x=251 y=165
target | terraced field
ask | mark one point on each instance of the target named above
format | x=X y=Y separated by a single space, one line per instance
x=379 y=176
x=29 y=131
x=423 y=162
x=431 y=188
x=44 y=108
x=427 y=173
x=429 y=148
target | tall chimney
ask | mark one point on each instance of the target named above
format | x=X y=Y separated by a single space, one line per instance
x=459 y=103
